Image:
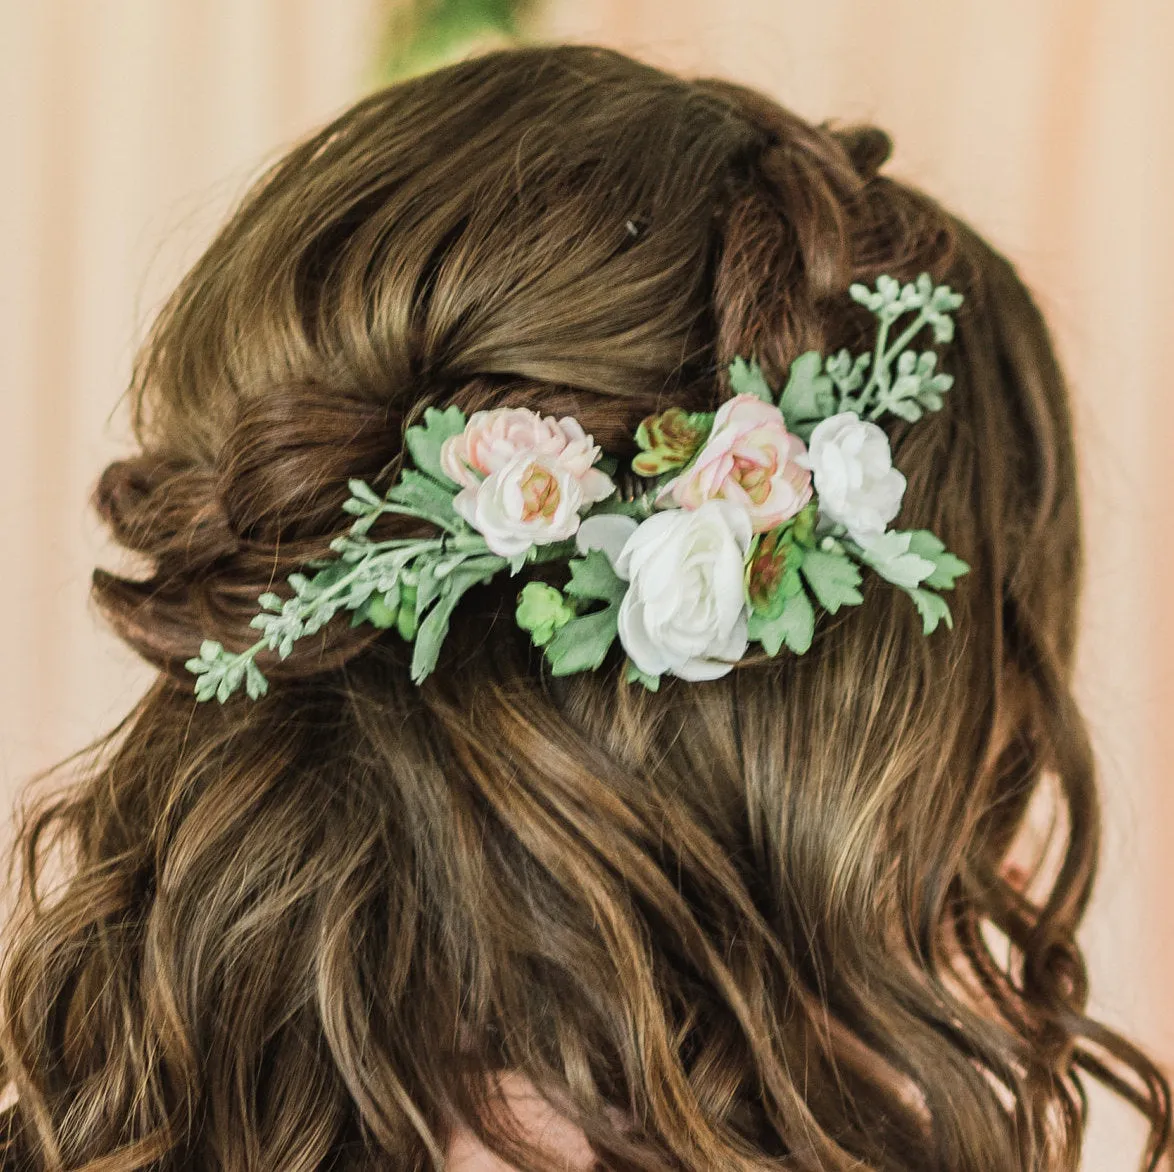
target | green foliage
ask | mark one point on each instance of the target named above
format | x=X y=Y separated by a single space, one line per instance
x=793 y=625
x=746 y=378
x=219 y=673
x=947 y=567
x=918 y=562
x=582 y=643
x=892 y=378
x=424 y=441
x=409 y=584
x=808 y=396
x=833 y=577
x=932 y=608
x=542 y=610
x=635 y=676
x=891 y=557
x=455 y=582
x=902 y=382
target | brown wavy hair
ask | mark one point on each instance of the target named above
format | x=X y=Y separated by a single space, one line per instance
x=763 y=922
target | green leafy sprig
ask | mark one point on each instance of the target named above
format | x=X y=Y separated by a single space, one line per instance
x=892 y=378
x=413 y=585
x=410 y=584
x=802 y=564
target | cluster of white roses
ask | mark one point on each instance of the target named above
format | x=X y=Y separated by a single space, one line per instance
x=526 y=480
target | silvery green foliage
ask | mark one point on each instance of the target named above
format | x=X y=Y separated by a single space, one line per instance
x=901 y=381
x=413 y=584
x=892 y=378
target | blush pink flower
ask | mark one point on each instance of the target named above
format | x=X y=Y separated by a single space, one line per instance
x=525 y=479
x=491 y=439
x=749 y=460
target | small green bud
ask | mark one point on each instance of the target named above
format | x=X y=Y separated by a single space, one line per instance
x=405 y=620
x=542 y=610
x=383 y=610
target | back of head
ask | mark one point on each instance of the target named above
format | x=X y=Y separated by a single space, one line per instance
x=748 y=923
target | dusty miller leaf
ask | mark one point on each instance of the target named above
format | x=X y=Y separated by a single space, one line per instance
x=425 y=440
x=833 y=578
x=746 y=378
x=808 y=396
x=794 y=626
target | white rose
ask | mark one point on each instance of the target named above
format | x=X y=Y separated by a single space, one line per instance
x=852 y=466
x=685 y=610
x=532 y=499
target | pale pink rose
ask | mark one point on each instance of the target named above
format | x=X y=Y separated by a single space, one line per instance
x=491 y=439
x=748 y=460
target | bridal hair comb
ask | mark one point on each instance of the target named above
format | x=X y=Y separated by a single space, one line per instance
x=732 y=528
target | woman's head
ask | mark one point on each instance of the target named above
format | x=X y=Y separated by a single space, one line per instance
x=754 y=922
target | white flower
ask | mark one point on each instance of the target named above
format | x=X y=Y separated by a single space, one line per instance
x=855 y=480
x=685 y=609
x=607 y=532
x=531 y=500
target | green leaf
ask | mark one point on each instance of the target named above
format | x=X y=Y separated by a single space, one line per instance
x=422 y=494
x=362 y=492
x=542 y=610
x=434 y=627
x=594 y=579
x=892 y=557
x=635 y=676
x=746 y=378
x=424 y=441
x=211 y=651
x=428 y=585
x=932 y=608
x=794 y=626
x=833 y=579
x=583 y=644
x=808 y=396
x=256 y=685
x=947 y=567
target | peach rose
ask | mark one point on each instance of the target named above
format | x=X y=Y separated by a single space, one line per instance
x=491 y=439
x=525 y=479
x=749 y=459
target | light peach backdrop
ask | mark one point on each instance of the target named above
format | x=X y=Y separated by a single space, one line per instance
x=130 y=126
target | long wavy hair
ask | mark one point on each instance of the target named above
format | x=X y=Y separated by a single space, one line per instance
x=762 y=922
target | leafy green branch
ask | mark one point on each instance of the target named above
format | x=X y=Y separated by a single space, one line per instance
x=411 y=584
x=892 y=378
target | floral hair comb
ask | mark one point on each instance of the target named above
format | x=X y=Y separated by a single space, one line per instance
x=746 y=519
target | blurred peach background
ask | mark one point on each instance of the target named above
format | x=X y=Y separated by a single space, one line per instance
x=132 y=126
